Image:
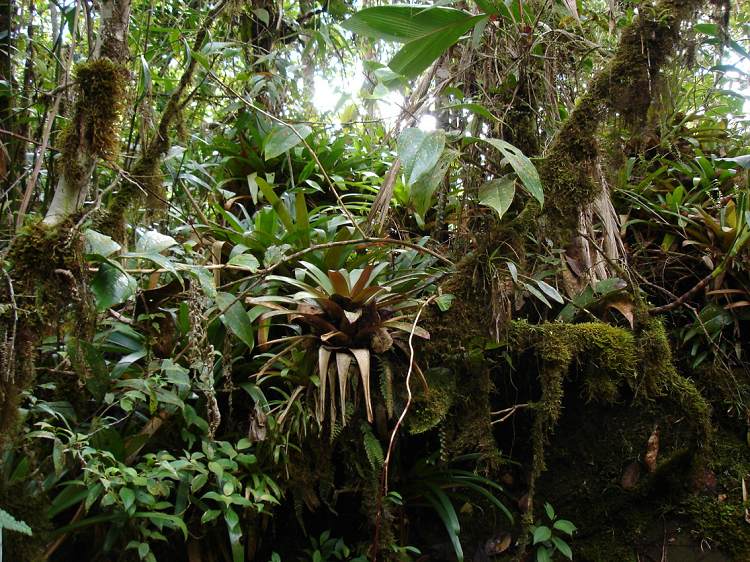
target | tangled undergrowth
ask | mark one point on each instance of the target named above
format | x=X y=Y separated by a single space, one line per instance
x=542 y=356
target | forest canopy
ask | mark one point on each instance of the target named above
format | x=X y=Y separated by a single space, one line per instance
x=334 y=280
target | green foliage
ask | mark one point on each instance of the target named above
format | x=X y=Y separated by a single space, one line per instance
x=551 y=537
x=436 y=483
x=186 y=362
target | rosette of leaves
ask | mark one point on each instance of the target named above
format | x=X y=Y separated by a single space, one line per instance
x=350 y=317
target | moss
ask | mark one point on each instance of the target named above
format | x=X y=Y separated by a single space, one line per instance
x=659 y=377
x=721 y=523
x=431 y=407
x=95 y=125
x=604 y=359
x=46 y=273
x=46 y=261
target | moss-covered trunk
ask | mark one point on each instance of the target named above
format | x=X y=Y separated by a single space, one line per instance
x=575 y=187
x=93 y=132
x=46 y=277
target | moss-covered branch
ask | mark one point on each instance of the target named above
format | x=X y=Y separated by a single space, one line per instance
x=93 y=131
x=624 y=88
x=146 y=173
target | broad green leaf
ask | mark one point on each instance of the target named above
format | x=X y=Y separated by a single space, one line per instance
x=742 y=161
x=419 y=151
x=111 y=286
x=563 y=547
x=522 y=166
x=477 y=108
x=708 y=28
x=542 y=533
x=444 y=301
x=172 y=521
x=235 y=318
x=513 y=271
x=234 y=530
x=549 y=510
x=417 y=55
x=153 y=242
x=285 y=137
x=543 y=554
x=99 y=244
x=403 y=23
x=498 y=194
x=565 y=526
x=534 y=291
x=210 y=515
x=128 y=498
x=160 y=260
x=245 y=261
x=423 y=189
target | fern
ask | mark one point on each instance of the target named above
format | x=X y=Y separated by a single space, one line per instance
x=373 y=449
x=385 y=374
x=7 y=521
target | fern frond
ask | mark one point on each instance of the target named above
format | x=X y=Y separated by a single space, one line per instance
x=385 y=374
x=373 y=448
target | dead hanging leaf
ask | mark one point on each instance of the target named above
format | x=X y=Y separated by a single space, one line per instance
x=324 y=357
x=523 y=503
x=4 y=160
x=625 y=307
x=652 y=450
x=258 y=429
x=744 y=500
x=343 y=360
x=363 y=362
x=631 y=475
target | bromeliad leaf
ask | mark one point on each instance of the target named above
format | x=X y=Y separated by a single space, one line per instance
x=522 y=166
x=235 y=318
x=498 y=194
x=285 y=137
